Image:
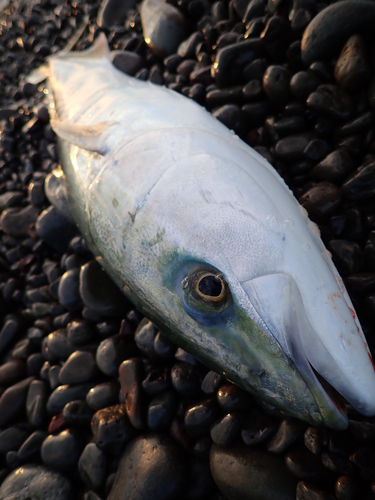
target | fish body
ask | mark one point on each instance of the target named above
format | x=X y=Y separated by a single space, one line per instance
x=203 y=235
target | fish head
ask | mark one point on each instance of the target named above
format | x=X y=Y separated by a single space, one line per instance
x=247 y=297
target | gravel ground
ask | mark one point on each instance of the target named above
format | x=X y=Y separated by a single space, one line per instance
x=87 y=386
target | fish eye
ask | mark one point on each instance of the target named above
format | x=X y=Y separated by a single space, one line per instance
x=207 y=287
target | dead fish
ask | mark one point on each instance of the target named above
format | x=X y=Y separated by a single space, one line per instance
x=206 y=239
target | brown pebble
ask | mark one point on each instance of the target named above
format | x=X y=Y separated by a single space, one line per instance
x=352 y=70
x=130 y=375
x=321 y=201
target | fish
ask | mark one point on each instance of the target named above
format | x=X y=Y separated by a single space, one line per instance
x=205 y=238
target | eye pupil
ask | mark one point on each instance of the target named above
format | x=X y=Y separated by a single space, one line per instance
x=210 y=286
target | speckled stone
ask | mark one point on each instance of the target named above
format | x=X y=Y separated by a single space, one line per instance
x=152 y=467
x=111 y=428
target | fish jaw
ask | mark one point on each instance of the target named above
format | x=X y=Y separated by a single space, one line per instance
x=337 y=352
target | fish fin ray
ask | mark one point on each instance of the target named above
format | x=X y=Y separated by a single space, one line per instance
x=90 y=137
x=99 y=50
x=56 y=192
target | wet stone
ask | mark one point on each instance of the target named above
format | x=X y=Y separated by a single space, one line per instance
x=290 y=125
x=36 y=403
x=12 y=371
x=12 y=401
x=130 y=376
x=57 y=346
x=8 y=333
x=79 y=367
x=361 y=184
x=31 y=446
x=316 y=150
x=289 y=432
x=92 y=466
x=102 y=395
x=255 y=70
x=164 y=347
x=54 y=229
x=199 y=418
x=68 y=290
x=335 y=167
x=111 y=352
x=348 y=488
x=152 y=467
x=111 y=428
x=316 y=439
x=252 y=91
x=338 y=464
x=98 y=292
x=187 y=48
x=211 y=382
x=218 y=97
x=128 y=62
x=225 y=430
x=352 y=70
x=57 y=424
x=156 y=381
x=257 y=112
x=257 y=427
x=321 y=201
x=79 y=332
x=232 y=398
x=161 y=411
x=332 y=101
x=307 y=491
x=77 y=413
x=243 y=472
x=306 y=466
x=233 y=117
x=276 y=84
x=54 y=376
x=187 y=379
x=163 y=27
x=359 y=124
x=347 y=256
x=292 y=147
x=64 y=394
x=36 y=481
x=61 y=451
x=11 y=439
x=16 y=222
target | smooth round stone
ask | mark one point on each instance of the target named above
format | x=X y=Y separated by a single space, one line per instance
x=348 y=488
x=152 y=467
x=292 y=147
x=276 y=81
x=64 y=394
x=68 y=290
x=187 y=379
x=226 y=69
x=17 y=221
x=211 y=382
x=233 y=117
x=79 y=332
x=232 y=398
x=335 y=167
x=111 y=352
x=255 y=70
x=330 y=100
x=130 y=376
x=306 y=466
x=316 y=149
x=79 y=367
x=92 y=466
x=102 y=395
x=257 y=427
x=36 y=194
x=321 y=201
x=9 y=333
x=352 y=70
x=252 y=91
x=330 y=29
x=225 y=430
x=145 y=337
x=99 y=293
x=53 y=376
x=316 y=439
x=11 y=439
x=12 y=371
x=57 y=346
x=359 y=124
x=361 y=283
x=61 y=451
x=339 y=464
x=111 y=428
x=114 y=13
x=54 y=229
x=187 y=48
x=161 y=411
x=307 y=491
x=128 y=62
x=36 y=403
x=36 y=482
x=199 y=418
x=347 y=255
x=361 y=184
x=12 y=401
x=10 y=199
x=257 y=112
x=245 y=473
x=156 y=381
x=164 y=347
x=289 y=432
x=77 y=413
x=290 y=125
x=219 y=97
x=164 y=27
x=31 y=446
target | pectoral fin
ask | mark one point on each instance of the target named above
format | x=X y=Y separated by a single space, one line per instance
x=90 y=137
x=55 y=190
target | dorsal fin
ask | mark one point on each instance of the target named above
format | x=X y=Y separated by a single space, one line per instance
x=99 y=50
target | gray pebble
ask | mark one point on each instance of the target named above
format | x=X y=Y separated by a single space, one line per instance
x=113 y=12
x=68 y=290
x=247 y=473
x=287 y=433
x=16 y=221
x=12 y=401
x=98 y=291
x=57 y=346
x=335 y=167
x=36 y=482
x=103 y=395
x=54 y=229
x=11 y=439
x=61 y=451
x=77 y=413
x=10 y=199
x=64 y=394
x=9 y=333
x=79 y=367
x=276 y=82
x=53 y=376
x=31 y=446
x=36 y=193
x=36 y=403
x=127 y=62
x=111 y=352
x=152 y=467
x=92 y=466
x=79 y=332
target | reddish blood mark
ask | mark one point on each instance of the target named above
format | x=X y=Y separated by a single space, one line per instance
x=372 y=361
x=352 y=312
